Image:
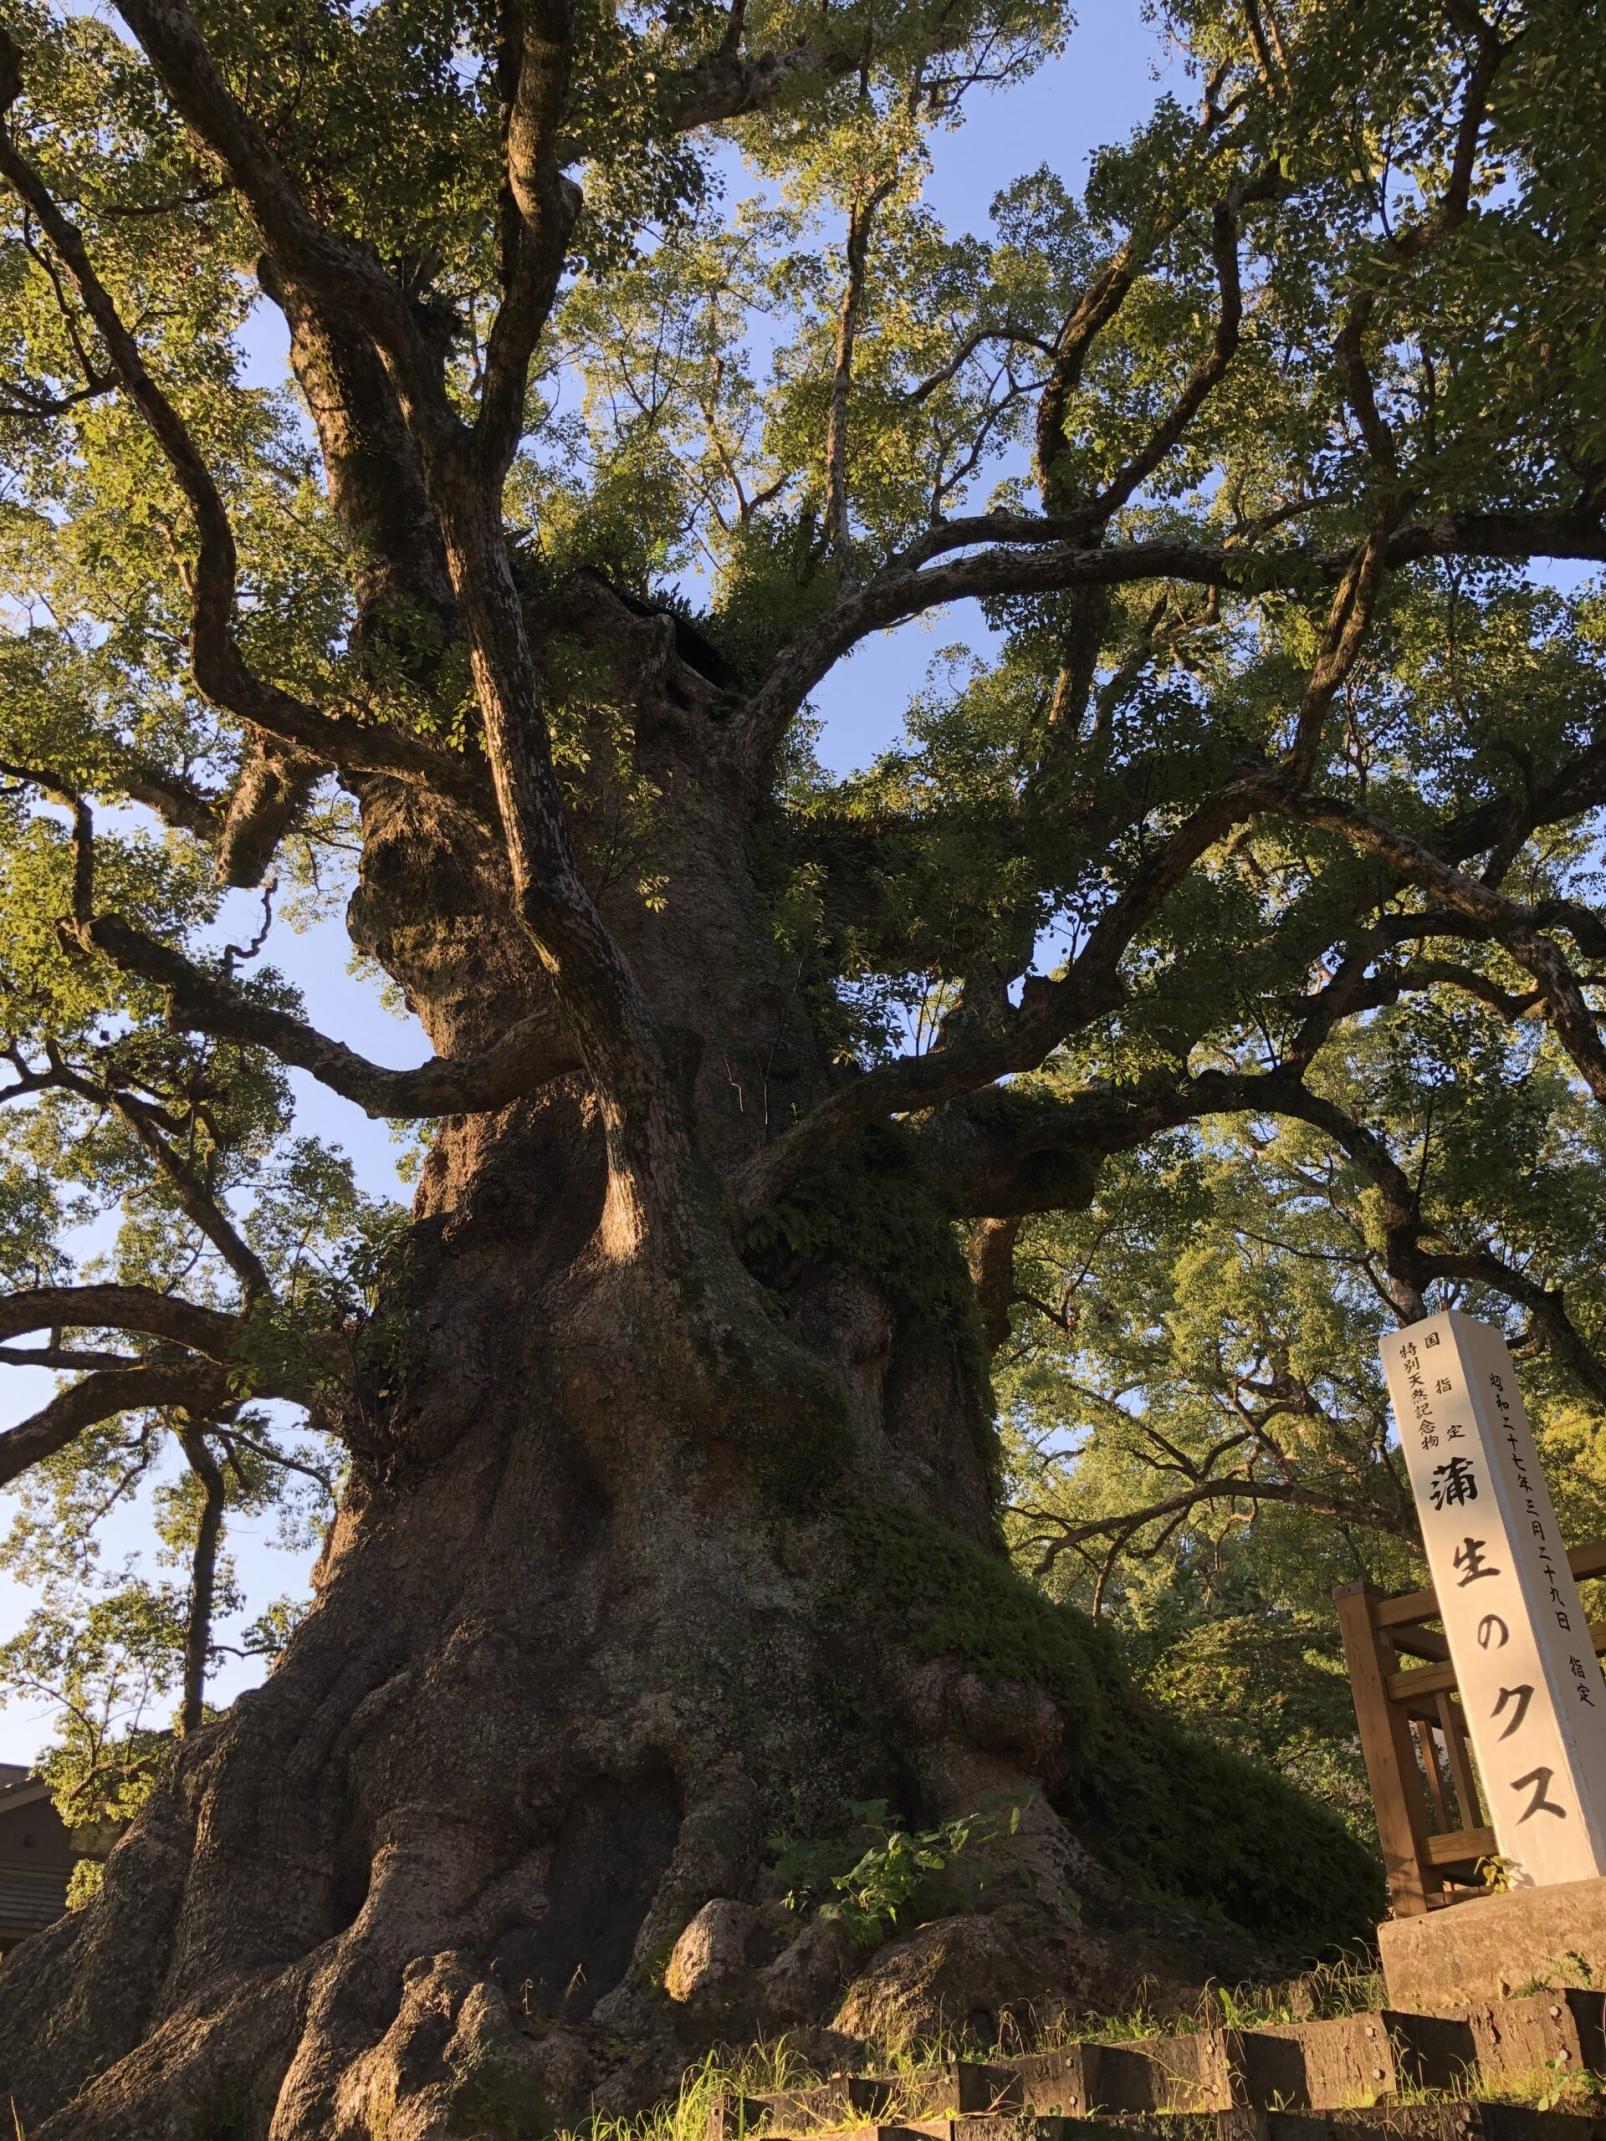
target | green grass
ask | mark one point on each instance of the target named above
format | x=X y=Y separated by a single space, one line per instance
x=1351 y=1985
x=917 y=2068
x=1550 y=2086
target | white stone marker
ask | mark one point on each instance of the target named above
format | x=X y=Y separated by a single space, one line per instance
x=1530 y=1683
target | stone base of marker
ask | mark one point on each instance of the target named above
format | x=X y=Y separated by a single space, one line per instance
x=1490 y=1947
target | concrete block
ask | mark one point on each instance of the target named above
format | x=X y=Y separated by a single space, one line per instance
x=1192 y=2073
x=1061 y=2081
x=1557 y=2032
x=1468 y=1954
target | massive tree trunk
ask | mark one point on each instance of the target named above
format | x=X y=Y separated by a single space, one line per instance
x=585 y=1627
x=672 y=1511
x=627 y=1575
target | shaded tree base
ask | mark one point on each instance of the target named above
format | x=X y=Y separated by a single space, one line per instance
x=466 y=2059
x=466 y=2055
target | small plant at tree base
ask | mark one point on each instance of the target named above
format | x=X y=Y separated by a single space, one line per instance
x=1570 y=1969
x=904 y=1876
x=1495 y=1873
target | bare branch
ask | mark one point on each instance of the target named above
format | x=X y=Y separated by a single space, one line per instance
x=1004 y=331
x=1122 y=1529
x=1345 y=633
x=203 y=1577
x=194 y=1198
x=22 y=405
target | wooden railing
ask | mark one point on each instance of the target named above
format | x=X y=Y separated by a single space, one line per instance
x=1431 y=1820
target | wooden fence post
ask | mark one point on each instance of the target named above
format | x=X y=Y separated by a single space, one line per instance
x=1385 y=1732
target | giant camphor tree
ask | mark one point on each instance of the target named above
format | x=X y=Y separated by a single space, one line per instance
x=1273 y=459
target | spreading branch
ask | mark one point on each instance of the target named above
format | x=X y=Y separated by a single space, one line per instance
x=112 y=1307
x=1121 y=1530
x=102 y=1396
x=344 y=279
x=219 y=669
x=532 y=1052
x=1505 y=920
x=1021 y=554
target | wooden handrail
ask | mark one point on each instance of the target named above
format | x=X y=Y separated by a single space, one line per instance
x=1406 y=1607
x=1421 y=1682
x=1421 y=1643
x=1461 y=1847
x=1424 y=1680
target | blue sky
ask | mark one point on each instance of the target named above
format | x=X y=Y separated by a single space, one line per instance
x=1097 y=91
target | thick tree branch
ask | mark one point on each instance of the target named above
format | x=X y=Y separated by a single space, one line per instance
x=601 y=1002
x=1206 y=375
x=343 y=278
x=1095 y=308
x=990 y=1253
x=529 y=1054
x=177 y=801
x=69 y=1358
x=274 y=786
x=1007 y=1155
x=1049 y=1011
x=861 y=221
x=600 y=999
x=539 y=206
x=194 y=1197
x=1347 y=623
x=200 y=1206
x=102 y=1396
x=112 y=1307
x=729 y=83
x=405 y=607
